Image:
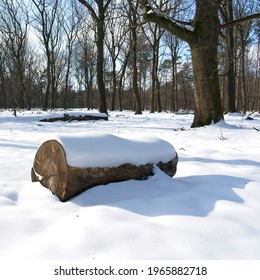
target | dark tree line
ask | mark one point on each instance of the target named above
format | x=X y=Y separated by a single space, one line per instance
x=137 y=55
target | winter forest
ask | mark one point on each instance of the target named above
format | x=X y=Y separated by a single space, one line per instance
x=177 y=83
x=109 y=55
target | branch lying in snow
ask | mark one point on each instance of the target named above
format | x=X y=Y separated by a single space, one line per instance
x=256 y=129
x=69 y=118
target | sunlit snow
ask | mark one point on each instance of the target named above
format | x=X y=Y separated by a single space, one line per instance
x=208 y=210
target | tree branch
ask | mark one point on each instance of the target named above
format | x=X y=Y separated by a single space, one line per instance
x=239 y=21
x=89 y=7
x=107 y=4
x=171 y=25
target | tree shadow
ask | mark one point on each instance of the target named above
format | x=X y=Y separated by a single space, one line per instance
x=18 y=146
x=8 y=144
x=233 y=162
x=162 y=195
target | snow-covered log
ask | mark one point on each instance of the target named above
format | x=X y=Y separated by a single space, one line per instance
x=69 y=118
x=69 y=165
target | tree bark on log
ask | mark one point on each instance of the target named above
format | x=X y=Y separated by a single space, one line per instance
x=51 y=169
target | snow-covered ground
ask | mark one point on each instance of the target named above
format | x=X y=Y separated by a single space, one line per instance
x=209 y=210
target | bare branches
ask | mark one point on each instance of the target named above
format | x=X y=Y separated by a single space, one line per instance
x=173 y=26
x=240 y=21
x=90 y=9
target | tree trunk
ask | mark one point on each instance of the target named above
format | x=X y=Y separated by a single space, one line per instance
x=244 y=93
x=99 y=19
x=120 y=85
x=133 y=21
x=113 y=97
x=153 y=88
x=24 y=92
x=203 y=41
x=231 y=83
x=100 y=64
x=158 y=94
x=138 y=107
x=48 y=86
x=208 y=107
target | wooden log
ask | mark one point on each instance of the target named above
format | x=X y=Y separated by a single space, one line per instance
x=69 y=118
x=52 y=170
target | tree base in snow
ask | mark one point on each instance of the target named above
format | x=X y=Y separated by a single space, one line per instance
x=51 y=169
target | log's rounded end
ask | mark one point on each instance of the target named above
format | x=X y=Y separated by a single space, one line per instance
x=50 y=167
x=170 y=167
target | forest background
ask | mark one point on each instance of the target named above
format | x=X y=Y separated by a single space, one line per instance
x=51 y=52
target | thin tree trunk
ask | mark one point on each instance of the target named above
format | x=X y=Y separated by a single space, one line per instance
x=231 y=84
x=99 y=18
x=113 y=97
x=244 y=95
x=120 y=85
x=138 y=108
x=153 y=73
x=133 y=26
x=100 y=65
x=48 y=87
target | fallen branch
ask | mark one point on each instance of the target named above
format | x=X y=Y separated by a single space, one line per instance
x=68 y=118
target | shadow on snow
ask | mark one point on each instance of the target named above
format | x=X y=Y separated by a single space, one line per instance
x=162 y=195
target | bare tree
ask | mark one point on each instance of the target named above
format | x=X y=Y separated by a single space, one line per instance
x=257 y=71
x=48 y=26
x=185 y=85
x=153 y=36
x=85 y=62
x=124 y=61
x=3 y=93
x=99 y=18
x=116 y=36
x=14 y=22
x=71 y=25
x=230 y=96
x=89 y=63
x=201 y=33
x=244 y=38
x=132 y=17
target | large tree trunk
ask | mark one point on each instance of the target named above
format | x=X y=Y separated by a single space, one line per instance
x=203 y=41
x=208 y=107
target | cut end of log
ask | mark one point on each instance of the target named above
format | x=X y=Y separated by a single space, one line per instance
x=52 y=170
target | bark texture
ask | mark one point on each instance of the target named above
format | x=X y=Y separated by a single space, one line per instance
x=50 y=168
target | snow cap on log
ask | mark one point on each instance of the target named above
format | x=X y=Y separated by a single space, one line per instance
x=70 y=164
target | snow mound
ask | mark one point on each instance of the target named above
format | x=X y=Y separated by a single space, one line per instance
x=98 y=149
